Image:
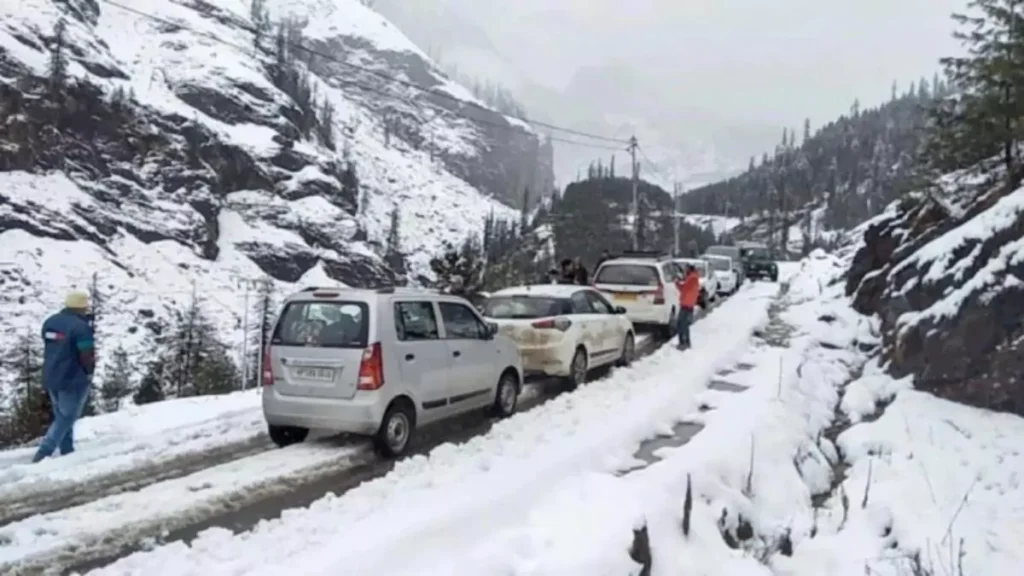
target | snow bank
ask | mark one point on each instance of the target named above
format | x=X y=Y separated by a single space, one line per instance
x=942 y=483
x=134 y=436
x=461 y=491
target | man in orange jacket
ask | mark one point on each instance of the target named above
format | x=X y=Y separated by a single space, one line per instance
x=689 y=293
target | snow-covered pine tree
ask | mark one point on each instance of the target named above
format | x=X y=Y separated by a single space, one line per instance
x=30 y=406
x=117 y=381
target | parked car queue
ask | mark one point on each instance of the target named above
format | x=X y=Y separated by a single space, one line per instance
x=383 y=363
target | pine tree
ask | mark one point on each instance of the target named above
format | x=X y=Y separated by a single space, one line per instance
x=524 y=214
x=350 y=185
x=393 y=255
x=151 y=388
x=117 y=382
x=58 y=66
x=985 y=118
x=30 y=408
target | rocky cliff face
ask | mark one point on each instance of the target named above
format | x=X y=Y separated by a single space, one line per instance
x=167 y=151
x=944 y=272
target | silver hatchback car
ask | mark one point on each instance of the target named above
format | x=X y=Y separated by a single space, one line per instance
x=381 y=363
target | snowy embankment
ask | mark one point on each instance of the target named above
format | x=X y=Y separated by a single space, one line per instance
x=492 y=481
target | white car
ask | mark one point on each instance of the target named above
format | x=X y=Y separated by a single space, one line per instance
x=645 y=287
x=725 y=271
x=562 y=330
x=708 y=281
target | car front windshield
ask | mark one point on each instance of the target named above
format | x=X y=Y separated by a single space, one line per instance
x=758 y=254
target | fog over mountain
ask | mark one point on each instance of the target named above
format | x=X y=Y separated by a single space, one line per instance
x=703 y=85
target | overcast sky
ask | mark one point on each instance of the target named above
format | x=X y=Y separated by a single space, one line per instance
x=771 y=61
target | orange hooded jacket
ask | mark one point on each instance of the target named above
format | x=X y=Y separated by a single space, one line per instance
x=689 y=290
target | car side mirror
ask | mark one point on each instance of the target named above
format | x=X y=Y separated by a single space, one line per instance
x=620 y=310
x=491 y=331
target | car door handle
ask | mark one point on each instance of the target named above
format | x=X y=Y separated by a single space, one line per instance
x=456 y=353
x=410 y=357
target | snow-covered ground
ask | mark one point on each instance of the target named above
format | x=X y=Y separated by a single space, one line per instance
x=134 y=437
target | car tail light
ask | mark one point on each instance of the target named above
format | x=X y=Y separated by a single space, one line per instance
x=371 y=368
x=268 y=368
x=659 y=294
x=562 y=324
x=325 y=294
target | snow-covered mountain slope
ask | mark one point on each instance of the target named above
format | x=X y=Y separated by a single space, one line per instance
x=944 y=272
x=182 y=157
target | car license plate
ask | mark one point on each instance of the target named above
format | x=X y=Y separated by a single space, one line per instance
x=625 y=296
x=320 y=374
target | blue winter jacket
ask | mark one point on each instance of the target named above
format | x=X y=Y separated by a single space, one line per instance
x=68 y=356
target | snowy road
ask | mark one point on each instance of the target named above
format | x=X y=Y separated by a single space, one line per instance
x=463 y=484
x=216 y=472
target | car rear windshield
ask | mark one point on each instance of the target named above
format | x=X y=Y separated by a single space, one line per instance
x=524 y=307
x=628 y=274
x=729 y=251
x=323 y=324
x=719 y=263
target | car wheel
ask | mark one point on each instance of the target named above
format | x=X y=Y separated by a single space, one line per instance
x=396 y=429
x=284 y=436
x=628 y=351
x=506 y=398
x=577 y=370
x=702 y=299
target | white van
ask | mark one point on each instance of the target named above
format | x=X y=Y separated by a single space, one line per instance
x=381 y=363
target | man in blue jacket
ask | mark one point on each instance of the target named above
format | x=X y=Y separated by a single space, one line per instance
x=68 y=362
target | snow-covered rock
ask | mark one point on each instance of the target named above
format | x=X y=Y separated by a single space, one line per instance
x=174 y=163
x=944 y=272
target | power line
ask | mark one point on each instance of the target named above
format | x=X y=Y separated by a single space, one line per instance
x=390 y=78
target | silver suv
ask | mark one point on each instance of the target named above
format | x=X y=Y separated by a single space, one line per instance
x=380 y=363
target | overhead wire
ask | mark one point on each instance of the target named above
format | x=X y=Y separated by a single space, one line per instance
x=391 y=78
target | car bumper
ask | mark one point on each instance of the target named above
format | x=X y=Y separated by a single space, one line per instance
x=360 y=415
x=548 y=361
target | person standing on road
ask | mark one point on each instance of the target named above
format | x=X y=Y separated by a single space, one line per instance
x=689 y=293
x=579 y=272
x=68 y=362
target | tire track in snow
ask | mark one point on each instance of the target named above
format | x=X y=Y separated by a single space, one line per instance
x=236 y=495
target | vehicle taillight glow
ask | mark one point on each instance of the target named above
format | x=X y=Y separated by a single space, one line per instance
x=659 y=294
x=268 y=368
x=371 y=368
x=562 y=324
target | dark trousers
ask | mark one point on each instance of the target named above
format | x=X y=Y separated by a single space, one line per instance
x=683 y=320
x=67 y=407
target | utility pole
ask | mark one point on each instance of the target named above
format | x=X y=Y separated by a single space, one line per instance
x=243 y=362
x=633 y=145
x=675 y=218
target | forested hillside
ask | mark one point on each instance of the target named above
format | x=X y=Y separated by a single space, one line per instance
x=595 y=214
x=838 y=175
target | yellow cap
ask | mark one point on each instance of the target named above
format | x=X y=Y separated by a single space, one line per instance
x=77 y=301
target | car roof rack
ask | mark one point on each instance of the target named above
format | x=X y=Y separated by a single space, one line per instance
x=320 y=288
